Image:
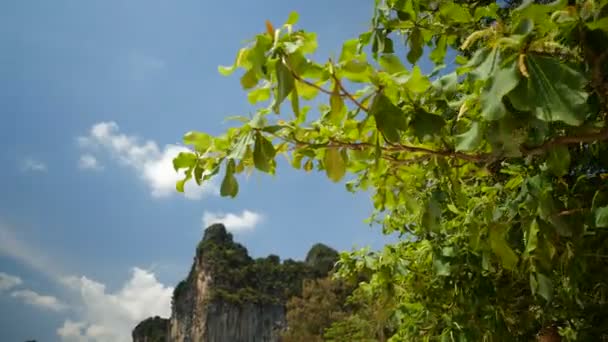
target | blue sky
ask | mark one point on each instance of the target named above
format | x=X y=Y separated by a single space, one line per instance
x=94 y=96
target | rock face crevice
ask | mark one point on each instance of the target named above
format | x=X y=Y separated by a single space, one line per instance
x=230 y=297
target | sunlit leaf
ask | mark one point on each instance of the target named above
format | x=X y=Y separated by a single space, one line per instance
x=335 y=165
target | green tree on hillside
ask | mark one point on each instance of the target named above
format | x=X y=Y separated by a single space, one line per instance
x=492 y=164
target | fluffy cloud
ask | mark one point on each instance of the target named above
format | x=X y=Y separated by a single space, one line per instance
x=233 y=222
x=153 y=164
x=41 y=301
x=88 y=162
x=110 y=317
x=8 y=281
x=30 y=164
x=30 y=255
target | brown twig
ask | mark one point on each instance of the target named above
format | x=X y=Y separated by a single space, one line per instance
x=349 y=95
x=566 y=140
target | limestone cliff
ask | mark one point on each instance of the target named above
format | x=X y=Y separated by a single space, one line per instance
x=230 y=297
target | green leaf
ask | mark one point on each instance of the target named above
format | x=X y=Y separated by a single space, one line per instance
x=601 y=24
x=335 y=167
x=285 y=84
x=295 y=105
x=227 y=70
x=500 y=84
x=308 y=165
x=263 y=153
x=179 y=185
x=448 y=84
x=455 y=12
x=554 y=91
x=389 y=118
x=237 y=150
x=532 y=237
x=601 y=217
x=426 y=124
x=184 y=160
x=349 y=50
x=431 y=217
x=337 y=107
x=259 y=94
x=293 y=18
x=230 y=186
x=545 y=286
x=200 y=141
x=415 y=44
x=470 y=139
x=501 y=248
x=249 y=79
x=438 y=54
x=391 y=64
x=484 y=61
x=558 y=160
x=198 y=175
x=442 y=269
x=417 y=82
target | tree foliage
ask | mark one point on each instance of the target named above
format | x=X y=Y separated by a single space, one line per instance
x=491 y=164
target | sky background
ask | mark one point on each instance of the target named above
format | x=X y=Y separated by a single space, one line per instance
x=95 y=97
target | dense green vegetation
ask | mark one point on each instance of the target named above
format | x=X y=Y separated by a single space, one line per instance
x=492 y=165
x=153 y=329
x=237 y=278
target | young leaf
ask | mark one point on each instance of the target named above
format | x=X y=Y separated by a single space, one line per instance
x=438 y=54
x=263 y=153
x=285 y=84
x=184 y=160
x=337 y=107
x=335 y=166
x=179 y=185
x=417 y=82
x=230 y=186
x=249 y=79
x=391 y=64
x=415 y=44
x=292 y=19
x=200 y=141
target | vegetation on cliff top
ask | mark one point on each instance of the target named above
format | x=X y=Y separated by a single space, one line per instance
x=153 y=329
x=238 y=278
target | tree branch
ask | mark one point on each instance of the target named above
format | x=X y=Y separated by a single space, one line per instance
x=349 y=95
x=566 y=140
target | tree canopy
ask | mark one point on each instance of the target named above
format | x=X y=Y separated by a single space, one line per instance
x=492 y=165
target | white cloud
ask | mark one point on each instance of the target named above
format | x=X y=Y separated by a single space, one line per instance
x=13 y=247
x=153 y=164
x=30 y=164
x=88 y=162
x=8 y=281
x=110 y=317
x=71 y=331
x=233 y=222
x=36 y=299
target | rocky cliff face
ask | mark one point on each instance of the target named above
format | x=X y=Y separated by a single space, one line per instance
x=230 y=297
